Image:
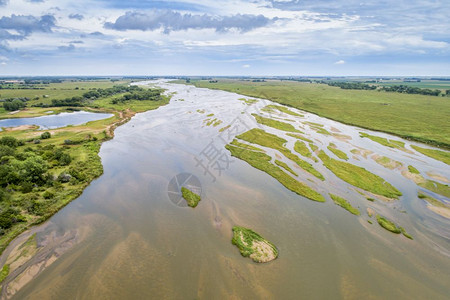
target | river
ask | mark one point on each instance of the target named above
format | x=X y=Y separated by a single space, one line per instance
x=126 y=237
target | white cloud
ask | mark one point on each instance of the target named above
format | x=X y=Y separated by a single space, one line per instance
x=246 y=66
x=340 y=62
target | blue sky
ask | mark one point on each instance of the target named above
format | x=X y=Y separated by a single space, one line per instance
x=216 y=37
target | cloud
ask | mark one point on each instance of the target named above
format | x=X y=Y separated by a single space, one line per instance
x=175 y=21
x=28 y=24
x=69 y=48
x=246 y=66
x=340 y=62
x=3 y=2
x=36 y=1
x=76 y=17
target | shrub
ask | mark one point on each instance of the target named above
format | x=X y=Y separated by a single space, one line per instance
x=46 y=135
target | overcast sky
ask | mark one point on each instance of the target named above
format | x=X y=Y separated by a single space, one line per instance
x=216 y=37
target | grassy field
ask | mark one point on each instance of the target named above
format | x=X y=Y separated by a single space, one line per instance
x=53 y=91
x=416 y=117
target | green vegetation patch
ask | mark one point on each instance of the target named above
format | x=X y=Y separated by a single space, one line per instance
x=359 y=177
x=252 y=245
x=443 y=156
x=333 y=148
x=383 y=141
x=261 y=161
x=413 y=170
x=4 y=273
x=248 y=101
x=436 y=187
x=214 y=122
x=298 y=136
x=345 y=204
x=275 y=124
x=191 y=198
x=265 y=139
x=300 y=147
x=392 y=227
x=285 y=166
x=270 y=108
x=224 y=128
x=433 y=201
x=388 y=163
x=245 y=146
x=388 y=225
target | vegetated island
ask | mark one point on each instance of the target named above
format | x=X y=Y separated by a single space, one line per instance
x=392 y=227
x=262 y=161
x=252 y=245
x=191 y=198
x=41 y=172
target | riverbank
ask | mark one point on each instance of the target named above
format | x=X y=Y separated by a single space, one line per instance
x=25 y=203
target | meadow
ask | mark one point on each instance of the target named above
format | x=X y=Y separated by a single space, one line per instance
x=415 y=117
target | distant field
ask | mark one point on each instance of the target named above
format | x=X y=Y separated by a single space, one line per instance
x=424 y=84
x=417 y=117
x=55 y=91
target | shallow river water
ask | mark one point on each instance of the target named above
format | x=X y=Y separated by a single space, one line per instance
x=127 y=238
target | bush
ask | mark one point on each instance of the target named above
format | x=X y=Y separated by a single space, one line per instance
x=27 y=186
x=64 y=159
x=10 y=141
x=46 y=135
x=48 y=195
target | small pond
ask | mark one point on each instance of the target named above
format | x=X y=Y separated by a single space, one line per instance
x=56 y=121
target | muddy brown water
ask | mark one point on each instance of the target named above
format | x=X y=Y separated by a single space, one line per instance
x=124 y=238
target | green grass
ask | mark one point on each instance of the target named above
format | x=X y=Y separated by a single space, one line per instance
x=245 y=238
x=383 y=141
x=191 y=198
x=4 y=273
x=436 y=187
x=271 y=108
x=443 y=156
x=265 y=139
x=413 y=170
x=415 y=117
x=285 y=166
x=245 y=146
x=248 y=101
x=345 y=204
x=224 y=128
x=275 y=124
x=359 y=177
x=261 y=161
x=300 y=147
x=392 y=227
x=333 y=148
x=298 y=136
x=313 y=147
x=388 y=225
x=388 y=163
